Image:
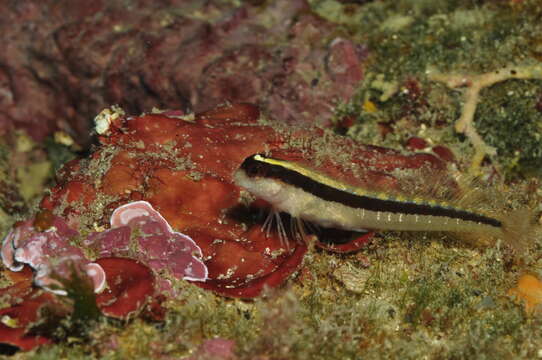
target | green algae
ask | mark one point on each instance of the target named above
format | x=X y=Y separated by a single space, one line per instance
x=511 y=108
x=58 y=154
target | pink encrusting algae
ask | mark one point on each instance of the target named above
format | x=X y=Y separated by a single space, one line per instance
x=50 y=254
x=138 y=224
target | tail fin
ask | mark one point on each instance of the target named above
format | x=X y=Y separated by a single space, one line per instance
x=519 y=230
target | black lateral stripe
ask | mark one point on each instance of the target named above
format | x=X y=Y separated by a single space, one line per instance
x=255 y=168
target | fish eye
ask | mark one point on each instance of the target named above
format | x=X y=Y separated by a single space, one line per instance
x=252 y=170
x=253 y=167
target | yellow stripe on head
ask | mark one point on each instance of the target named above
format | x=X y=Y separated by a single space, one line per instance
x=313 y=175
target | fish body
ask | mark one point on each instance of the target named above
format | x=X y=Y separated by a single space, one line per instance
x=314 y=196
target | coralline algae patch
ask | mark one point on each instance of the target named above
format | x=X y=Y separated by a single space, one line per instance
x=139 y=231
x=50 y=253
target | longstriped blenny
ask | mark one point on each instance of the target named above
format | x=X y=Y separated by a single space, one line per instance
x=315 y=197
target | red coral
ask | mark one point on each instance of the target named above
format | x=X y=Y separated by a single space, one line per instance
x=130 y=285
x=49 y=252
x=349 y=244
x=23 y=314
x=416 y=143
x=444 y=153
x=23 y=311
